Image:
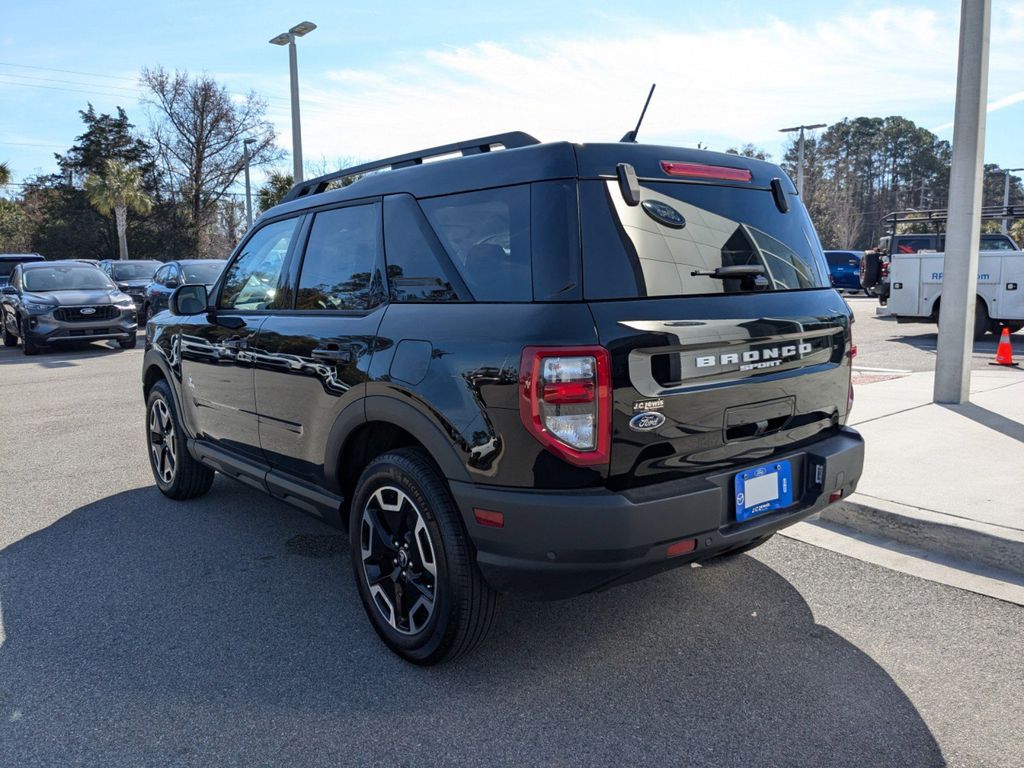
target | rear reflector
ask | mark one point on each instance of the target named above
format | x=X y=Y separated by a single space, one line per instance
x=489 y=518
x=701 y=171
x=835 y=496
x=681 y=547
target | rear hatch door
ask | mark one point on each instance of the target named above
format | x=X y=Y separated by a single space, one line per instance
x=709 y=373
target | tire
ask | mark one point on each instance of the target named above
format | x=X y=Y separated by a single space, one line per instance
x=740 y=549
x=401 y=499
x=177 y=474
x=872 y=271
x=30 y=346
x=129 y=343
x=981 y=322
x=10 y=339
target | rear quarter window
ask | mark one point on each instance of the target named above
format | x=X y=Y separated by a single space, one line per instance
x=487 y=236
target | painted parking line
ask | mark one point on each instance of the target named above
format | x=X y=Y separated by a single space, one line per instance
x=862 y=369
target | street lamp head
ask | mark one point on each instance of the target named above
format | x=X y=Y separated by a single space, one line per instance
x=283 y=39
x=302 y=28
x=249 y=141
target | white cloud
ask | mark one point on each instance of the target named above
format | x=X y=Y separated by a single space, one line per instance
x=723 y=85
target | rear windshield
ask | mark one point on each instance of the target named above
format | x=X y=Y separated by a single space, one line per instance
x=135 y=271
x=65 y=278
x=7 y=266
x=996 y=243
x=201 y=273
x=841 y=259
x=667 y=245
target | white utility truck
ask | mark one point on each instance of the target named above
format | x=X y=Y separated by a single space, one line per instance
x=915 y=290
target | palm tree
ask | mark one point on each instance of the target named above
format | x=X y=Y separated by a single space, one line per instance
x=5 y=174
x=116 y=190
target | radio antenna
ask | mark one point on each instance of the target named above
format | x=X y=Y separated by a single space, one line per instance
x=631 y=135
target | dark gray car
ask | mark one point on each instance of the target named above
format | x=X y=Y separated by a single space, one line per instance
x=64 y=301
x=132 y=276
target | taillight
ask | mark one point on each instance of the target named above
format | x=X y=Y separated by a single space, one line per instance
x=702 y=171
x=565 y=401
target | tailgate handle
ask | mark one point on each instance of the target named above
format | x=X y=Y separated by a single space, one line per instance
x=756 y=428
x=751 y=421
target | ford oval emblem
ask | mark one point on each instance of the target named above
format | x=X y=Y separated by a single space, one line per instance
x=88 y=310
x=663 y=213
x=647 y=421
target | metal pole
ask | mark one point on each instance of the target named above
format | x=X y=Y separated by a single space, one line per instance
x=800 y=164
x=293 y=62
x=1006 y=201
x=960 y=264
x=248 y=189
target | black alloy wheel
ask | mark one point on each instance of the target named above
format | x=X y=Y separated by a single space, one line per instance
x=398 y=560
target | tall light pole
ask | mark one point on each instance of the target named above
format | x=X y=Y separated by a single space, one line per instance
x=960 y=262
x=800 y=152
x=1006 y=197
x=288 y=38
x=248 y=189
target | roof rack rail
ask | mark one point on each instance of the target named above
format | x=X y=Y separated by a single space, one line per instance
x=939 y=215
x=510 y=140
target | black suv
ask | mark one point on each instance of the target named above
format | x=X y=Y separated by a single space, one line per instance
x=535 y=368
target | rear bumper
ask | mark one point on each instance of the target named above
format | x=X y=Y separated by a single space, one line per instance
x=557 y=544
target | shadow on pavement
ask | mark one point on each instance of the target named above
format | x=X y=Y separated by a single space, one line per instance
x=60 y=356
x=991 y=419
x=227 y=631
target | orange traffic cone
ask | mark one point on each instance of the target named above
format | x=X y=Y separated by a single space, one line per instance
x=1004 y=352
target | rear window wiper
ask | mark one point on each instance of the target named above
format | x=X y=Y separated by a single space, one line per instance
x=727 y=273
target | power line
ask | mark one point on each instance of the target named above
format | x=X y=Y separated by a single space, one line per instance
x=65 y=71
x=69 y=82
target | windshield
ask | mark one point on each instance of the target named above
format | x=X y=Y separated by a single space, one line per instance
x=139 y=270
x=201 y=273
x=672 y=243
x=80 y=277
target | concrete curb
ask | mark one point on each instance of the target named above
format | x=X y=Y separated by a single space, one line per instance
x=958 y=539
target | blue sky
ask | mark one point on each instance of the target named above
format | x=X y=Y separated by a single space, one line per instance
x=387 y=77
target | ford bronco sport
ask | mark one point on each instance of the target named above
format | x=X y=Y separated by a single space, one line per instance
x=535 y=368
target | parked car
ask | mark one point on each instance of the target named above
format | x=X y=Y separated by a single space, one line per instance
x=55 y=302
x=546 y=369
x=8 y=261
x=175 y=273
x=91 y=262
x=844 y=266
x=131 y=276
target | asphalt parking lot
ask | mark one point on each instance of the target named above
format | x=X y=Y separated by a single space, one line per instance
x=882 y=343
x=227 y=631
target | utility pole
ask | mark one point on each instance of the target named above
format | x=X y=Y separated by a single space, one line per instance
x=288 y=38
x=1006 y=197
x=800 y=152
x=960 y=263
x=248 y=190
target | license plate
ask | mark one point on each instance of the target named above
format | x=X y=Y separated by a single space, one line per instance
x=762 y=489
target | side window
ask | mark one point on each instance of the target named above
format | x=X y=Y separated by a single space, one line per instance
x=161 y=275
x=16 y=277
x=250 y=281
x=487 y=236
x=341 y=267
x=415 y=268
x=173 y=277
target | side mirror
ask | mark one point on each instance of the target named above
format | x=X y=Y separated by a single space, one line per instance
x=9 y=290
x=188 y=300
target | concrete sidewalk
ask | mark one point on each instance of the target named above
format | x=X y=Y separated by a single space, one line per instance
x=941 y=483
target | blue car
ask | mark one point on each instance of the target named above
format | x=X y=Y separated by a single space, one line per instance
x=844 y=266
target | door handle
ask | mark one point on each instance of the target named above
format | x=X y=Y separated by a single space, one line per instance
x=332 y=352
